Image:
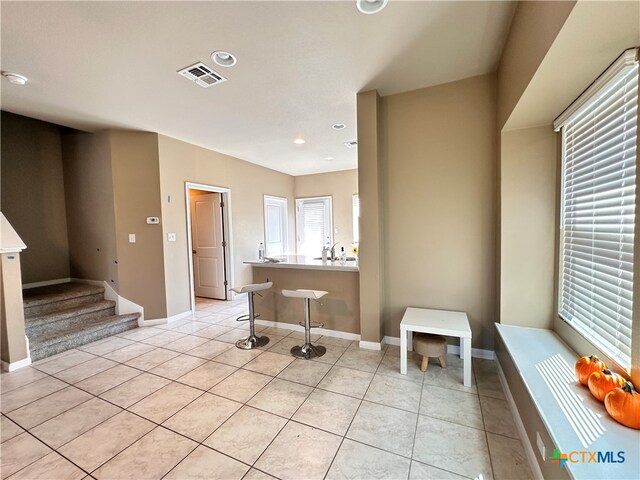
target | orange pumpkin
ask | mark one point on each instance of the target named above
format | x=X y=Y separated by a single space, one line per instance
x=585 y=366
x=623 y=404
x=601 y=383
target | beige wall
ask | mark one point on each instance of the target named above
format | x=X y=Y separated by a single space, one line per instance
x=181 y=162
x=341 y=186
x=33 y=195
x=370 y=190
x=439 y=162
x=90 y=210
x=136 y=195
x=528 y=191
x=534 y=27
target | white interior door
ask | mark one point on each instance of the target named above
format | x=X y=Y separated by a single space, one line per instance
x=208 y=248
x=275 y=226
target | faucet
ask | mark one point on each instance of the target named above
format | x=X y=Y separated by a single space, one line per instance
x=333 y=251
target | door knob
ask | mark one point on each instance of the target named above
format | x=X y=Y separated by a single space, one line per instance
x=194 y=252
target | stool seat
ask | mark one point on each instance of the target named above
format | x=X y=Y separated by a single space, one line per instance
x=429 y=345
x=302 y=293
x=254 y=287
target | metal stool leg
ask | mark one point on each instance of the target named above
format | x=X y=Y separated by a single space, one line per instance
x=252 y=341
x=308 y=350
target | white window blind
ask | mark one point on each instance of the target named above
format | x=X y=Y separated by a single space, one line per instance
x=598 y=214
x=314 y=225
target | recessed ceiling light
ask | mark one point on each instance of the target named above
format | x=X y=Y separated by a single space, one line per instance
x=328 y=158
x=224 y=59
x=299 y=141
x=370 y=7
x=338 y=126
x=15 y=78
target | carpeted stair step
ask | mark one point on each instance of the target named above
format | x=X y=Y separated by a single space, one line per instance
x=68 y=317
x=53 y=298
x=73 y=336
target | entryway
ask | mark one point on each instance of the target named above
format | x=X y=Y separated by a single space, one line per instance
x=208 y=233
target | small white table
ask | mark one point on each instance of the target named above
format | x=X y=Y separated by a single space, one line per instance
x=438 y=322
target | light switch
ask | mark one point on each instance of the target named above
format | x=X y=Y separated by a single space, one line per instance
x=132 y=238
x=171 y=237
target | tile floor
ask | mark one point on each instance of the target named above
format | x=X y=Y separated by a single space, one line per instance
x=179 y=401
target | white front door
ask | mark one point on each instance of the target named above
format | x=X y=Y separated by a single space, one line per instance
x=275 y=226
x=208 y=249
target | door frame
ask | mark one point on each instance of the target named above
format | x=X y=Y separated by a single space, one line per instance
x=225 y=194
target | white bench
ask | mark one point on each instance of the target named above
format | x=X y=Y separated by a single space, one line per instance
x=438 y=322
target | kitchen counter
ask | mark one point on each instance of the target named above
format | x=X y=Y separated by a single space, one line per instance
x=339 y=310
x=306 y=263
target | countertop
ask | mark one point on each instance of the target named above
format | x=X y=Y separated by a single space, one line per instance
x=307 y=263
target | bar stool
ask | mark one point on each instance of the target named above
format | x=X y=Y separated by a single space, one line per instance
x=252 y=341
x=307 y=350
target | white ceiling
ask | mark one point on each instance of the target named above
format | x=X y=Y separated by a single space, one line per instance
x=96 y=65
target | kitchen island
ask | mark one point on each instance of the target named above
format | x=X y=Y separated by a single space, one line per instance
x=339 y=310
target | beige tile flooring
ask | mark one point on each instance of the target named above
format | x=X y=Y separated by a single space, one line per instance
x=179 y=401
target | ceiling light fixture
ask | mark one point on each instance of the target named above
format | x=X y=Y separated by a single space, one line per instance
x=328 y=158
x=369 y=7
x=338 y=126
x=224 y=59
x=15 y=78
x=299 y=141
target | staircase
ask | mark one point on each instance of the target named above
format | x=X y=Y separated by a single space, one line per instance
x=68 y=315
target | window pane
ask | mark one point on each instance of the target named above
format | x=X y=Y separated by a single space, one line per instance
x=598 y=217
x=314 y=225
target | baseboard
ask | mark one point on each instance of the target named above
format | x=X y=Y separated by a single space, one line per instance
x=57 y=281
x=475 y=352
x=164 y=321
x=319 y=331
x=524 y=438
x=13 y=366
x=453 y=349
x=371 y=345
x=123 y=306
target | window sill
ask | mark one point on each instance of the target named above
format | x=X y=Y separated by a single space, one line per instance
x=574 y=419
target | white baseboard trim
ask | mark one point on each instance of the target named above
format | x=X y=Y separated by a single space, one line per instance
x=475 y=352
x=164 y=321
x=317 y=331
x=57 y=281
x=123 y=306
x=524 y=438
x=371 y=345
x=25 y=362
x=453 y=349
x=13 y=366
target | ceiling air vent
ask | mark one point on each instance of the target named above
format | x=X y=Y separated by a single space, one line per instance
x=202 y=75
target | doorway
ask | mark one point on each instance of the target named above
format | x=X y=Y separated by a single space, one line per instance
x=208 y=233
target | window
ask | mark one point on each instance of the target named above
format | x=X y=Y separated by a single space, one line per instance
x=313 y=216
x=275 y=226
x=356 y=219
x=599 y=139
